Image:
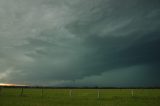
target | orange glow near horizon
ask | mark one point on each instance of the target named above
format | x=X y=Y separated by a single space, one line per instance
x=3 y=84
x=6 y=84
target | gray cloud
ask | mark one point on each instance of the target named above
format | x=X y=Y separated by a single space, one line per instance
x=58 y=41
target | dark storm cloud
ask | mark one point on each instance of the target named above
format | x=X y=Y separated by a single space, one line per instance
x=58 y=41
x=124 y=37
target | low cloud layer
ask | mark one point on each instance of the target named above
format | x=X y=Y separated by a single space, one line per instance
x=80 y=43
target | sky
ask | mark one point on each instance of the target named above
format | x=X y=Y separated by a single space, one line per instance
x=80 y=42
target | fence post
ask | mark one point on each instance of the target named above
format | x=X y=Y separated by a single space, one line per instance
x=22 y=91
x=98 y=95
x=42 y=91
x=70 y=93
x=132 y=92
x=0 y=90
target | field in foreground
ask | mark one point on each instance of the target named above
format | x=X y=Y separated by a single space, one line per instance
x=79 y=97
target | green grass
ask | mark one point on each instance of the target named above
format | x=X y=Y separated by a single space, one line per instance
x=79 y=97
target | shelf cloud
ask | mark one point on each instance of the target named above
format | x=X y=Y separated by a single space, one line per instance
x=80 y=43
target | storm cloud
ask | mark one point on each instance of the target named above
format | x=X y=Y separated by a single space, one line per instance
x=89 y=42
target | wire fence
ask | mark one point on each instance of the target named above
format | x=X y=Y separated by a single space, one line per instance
x=97 y=93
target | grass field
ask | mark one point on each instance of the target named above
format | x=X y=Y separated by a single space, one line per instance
x=79 y=97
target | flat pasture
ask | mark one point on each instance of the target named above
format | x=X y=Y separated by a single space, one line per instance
x=79 y=97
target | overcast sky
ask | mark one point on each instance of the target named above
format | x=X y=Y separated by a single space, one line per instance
x=80 y=42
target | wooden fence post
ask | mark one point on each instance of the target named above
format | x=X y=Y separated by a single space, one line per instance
x=22 y=91
x=0 y=90
x=42 y=91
